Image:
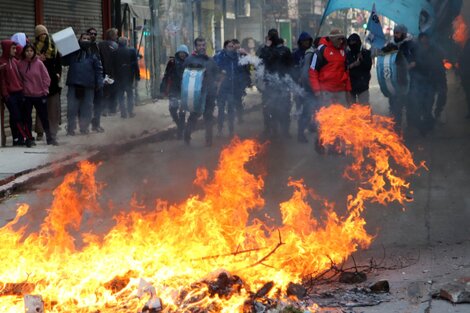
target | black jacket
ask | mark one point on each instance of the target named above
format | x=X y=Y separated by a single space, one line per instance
x=173 y=77
x=54 y=68
x=359 y=75
x=277 y=59
x=125 y=67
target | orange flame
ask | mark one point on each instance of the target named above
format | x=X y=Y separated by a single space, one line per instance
x=460 y=30
x=447 y=64
x=174 y=245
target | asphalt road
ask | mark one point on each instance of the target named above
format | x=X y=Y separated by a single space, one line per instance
x=439 y=216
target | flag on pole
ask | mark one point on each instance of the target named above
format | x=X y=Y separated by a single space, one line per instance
x=376 y=35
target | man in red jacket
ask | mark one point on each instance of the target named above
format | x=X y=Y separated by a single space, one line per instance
x=328 y=72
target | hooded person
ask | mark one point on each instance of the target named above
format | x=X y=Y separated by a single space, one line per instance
x=303 y=44
x=403 y=43
x=47 y=52
x=11 y=86
x=171 y=87
x=359 y=61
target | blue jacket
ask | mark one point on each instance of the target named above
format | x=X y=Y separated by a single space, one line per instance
x=235 y=80
x=85 y=69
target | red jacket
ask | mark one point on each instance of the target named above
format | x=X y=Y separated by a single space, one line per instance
x=328 y=71
x=10 y=79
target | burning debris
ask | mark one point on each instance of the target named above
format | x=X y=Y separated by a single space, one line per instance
x=199 y=235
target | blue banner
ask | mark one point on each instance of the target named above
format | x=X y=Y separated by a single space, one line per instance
x=405 y=12
x=376 y=37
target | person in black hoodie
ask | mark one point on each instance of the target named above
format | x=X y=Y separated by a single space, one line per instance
x=359 y=61
x=278 y=62
x=172 y=87
x=98 y=98
x=126 y=71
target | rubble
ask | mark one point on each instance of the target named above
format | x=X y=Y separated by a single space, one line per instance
x=296 y=290
x=16 y=289
x=352 y=277
x=457 y=292
x=381 y=286
x=33 y=304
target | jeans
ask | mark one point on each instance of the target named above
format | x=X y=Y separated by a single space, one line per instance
x=208 y=117
x=40 y=104
x=226 y=100
x=127 y=88
x=420 y=106
x=16 y=108
x=306 y=108
x=276 y=111
x=79 y=108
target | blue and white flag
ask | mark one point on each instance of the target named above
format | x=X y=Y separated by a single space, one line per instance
x=376 y=35
x=405 y=12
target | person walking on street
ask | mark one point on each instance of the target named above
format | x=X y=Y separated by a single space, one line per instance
x=231 y=86
x=126 y=72
x=359 y=62
x=11 y=86
x=85 y=75
x=47 y=52
x=329 y=77
x=36 y=83
x=172 y=87
x=304 y=103
x=278 y=62
x=200 y=59
x=403 y=43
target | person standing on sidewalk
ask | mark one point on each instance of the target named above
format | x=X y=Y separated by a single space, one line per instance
x=36 y=83
x=172 y=87
x=98 y=98
x=85 y=75
x=126 y=72
x=47 y=52
x=107 y=49
x=200 y=59
x=12 y=94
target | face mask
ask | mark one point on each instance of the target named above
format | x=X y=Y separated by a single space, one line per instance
x=85 y=44
x=399 y=39
x=355 y=47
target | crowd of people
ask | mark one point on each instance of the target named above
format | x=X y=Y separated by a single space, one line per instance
x=326 y=70
x=329 y=69
x=98 y=77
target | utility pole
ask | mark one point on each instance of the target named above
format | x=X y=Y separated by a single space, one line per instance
x=155 y=33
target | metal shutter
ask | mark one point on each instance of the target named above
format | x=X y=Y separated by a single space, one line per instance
x=17 y=17
x=80 y=15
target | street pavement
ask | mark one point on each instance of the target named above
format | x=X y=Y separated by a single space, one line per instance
x=428 y=243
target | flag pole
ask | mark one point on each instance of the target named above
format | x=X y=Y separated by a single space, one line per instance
x=323 y=18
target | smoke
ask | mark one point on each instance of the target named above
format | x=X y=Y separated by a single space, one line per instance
x=262 y=78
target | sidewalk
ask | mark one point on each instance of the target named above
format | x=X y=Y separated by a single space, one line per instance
x=18 y=163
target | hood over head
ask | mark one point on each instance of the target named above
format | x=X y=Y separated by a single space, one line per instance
x=182 y=48
x=19 y=38
x=303 y=37
x=39 y=30
x=6 y=46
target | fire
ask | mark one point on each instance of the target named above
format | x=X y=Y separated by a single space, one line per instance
x=447 y=64
x=176 y=247
x=460 y=30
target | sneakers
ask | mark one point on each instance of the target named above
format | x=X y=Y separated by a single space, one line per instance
x=29 y=143
x=70 y=133
x=84 y=131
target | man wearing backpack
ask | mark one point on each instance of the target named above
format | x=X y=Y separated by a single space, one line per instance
x=328 y=73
